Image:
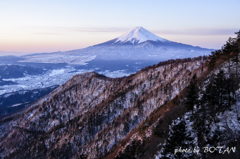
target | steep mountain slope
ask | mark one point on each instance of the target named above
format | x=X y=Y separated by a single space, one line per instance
x=202 y=122
x=136 y=44
x=91 y=114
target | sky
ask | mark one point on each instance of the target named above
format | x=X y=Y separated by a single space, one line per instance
x=31 y=26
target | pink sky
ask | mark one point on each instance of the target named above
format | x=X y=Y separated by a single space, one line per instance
x=47 y=26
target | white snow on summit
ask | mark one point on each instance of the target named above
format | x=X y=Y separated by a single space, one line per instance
x=144 y=45
x=138 y=35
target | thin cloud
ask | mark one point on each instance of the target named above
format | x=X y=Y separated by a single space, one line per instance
x=69 y=30
x=50 y=33
x=198 y=31
x=191 y=31
x=76 y=29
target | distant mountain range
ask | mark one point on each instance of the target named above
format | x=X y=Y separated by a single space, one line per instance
x=136 y=44
x=119 y=57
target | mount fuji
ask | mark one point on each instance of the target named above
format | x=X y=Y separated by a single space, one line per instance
x=139 y=35
x=136 y=44
x=23 y=79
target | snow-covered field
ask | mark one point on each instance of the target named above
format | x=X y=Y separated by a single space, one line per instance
x=50 y=78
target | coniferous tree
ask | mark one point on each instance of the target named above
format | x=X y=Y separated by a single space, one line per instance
x=218 y=84
x=178 y=137
x=219 y=92
x=212 y=61
x=226 y=49
x=210 y=100
x=199 y=121
x=192 y=94
x=238 y=35
x=235 y=49
x=219 y=95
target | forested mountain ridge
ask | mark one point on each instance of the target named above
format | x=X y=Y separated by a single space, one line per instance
x=92 y=116
x=206 y=114
x=83 y=109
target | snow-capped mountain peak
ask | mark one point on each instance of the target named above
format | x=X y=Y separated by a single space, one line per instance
x=138 y=35
x=136 y=44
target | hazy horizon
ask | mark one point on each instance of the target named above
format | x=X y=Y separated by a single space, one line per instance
x=43 y=27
